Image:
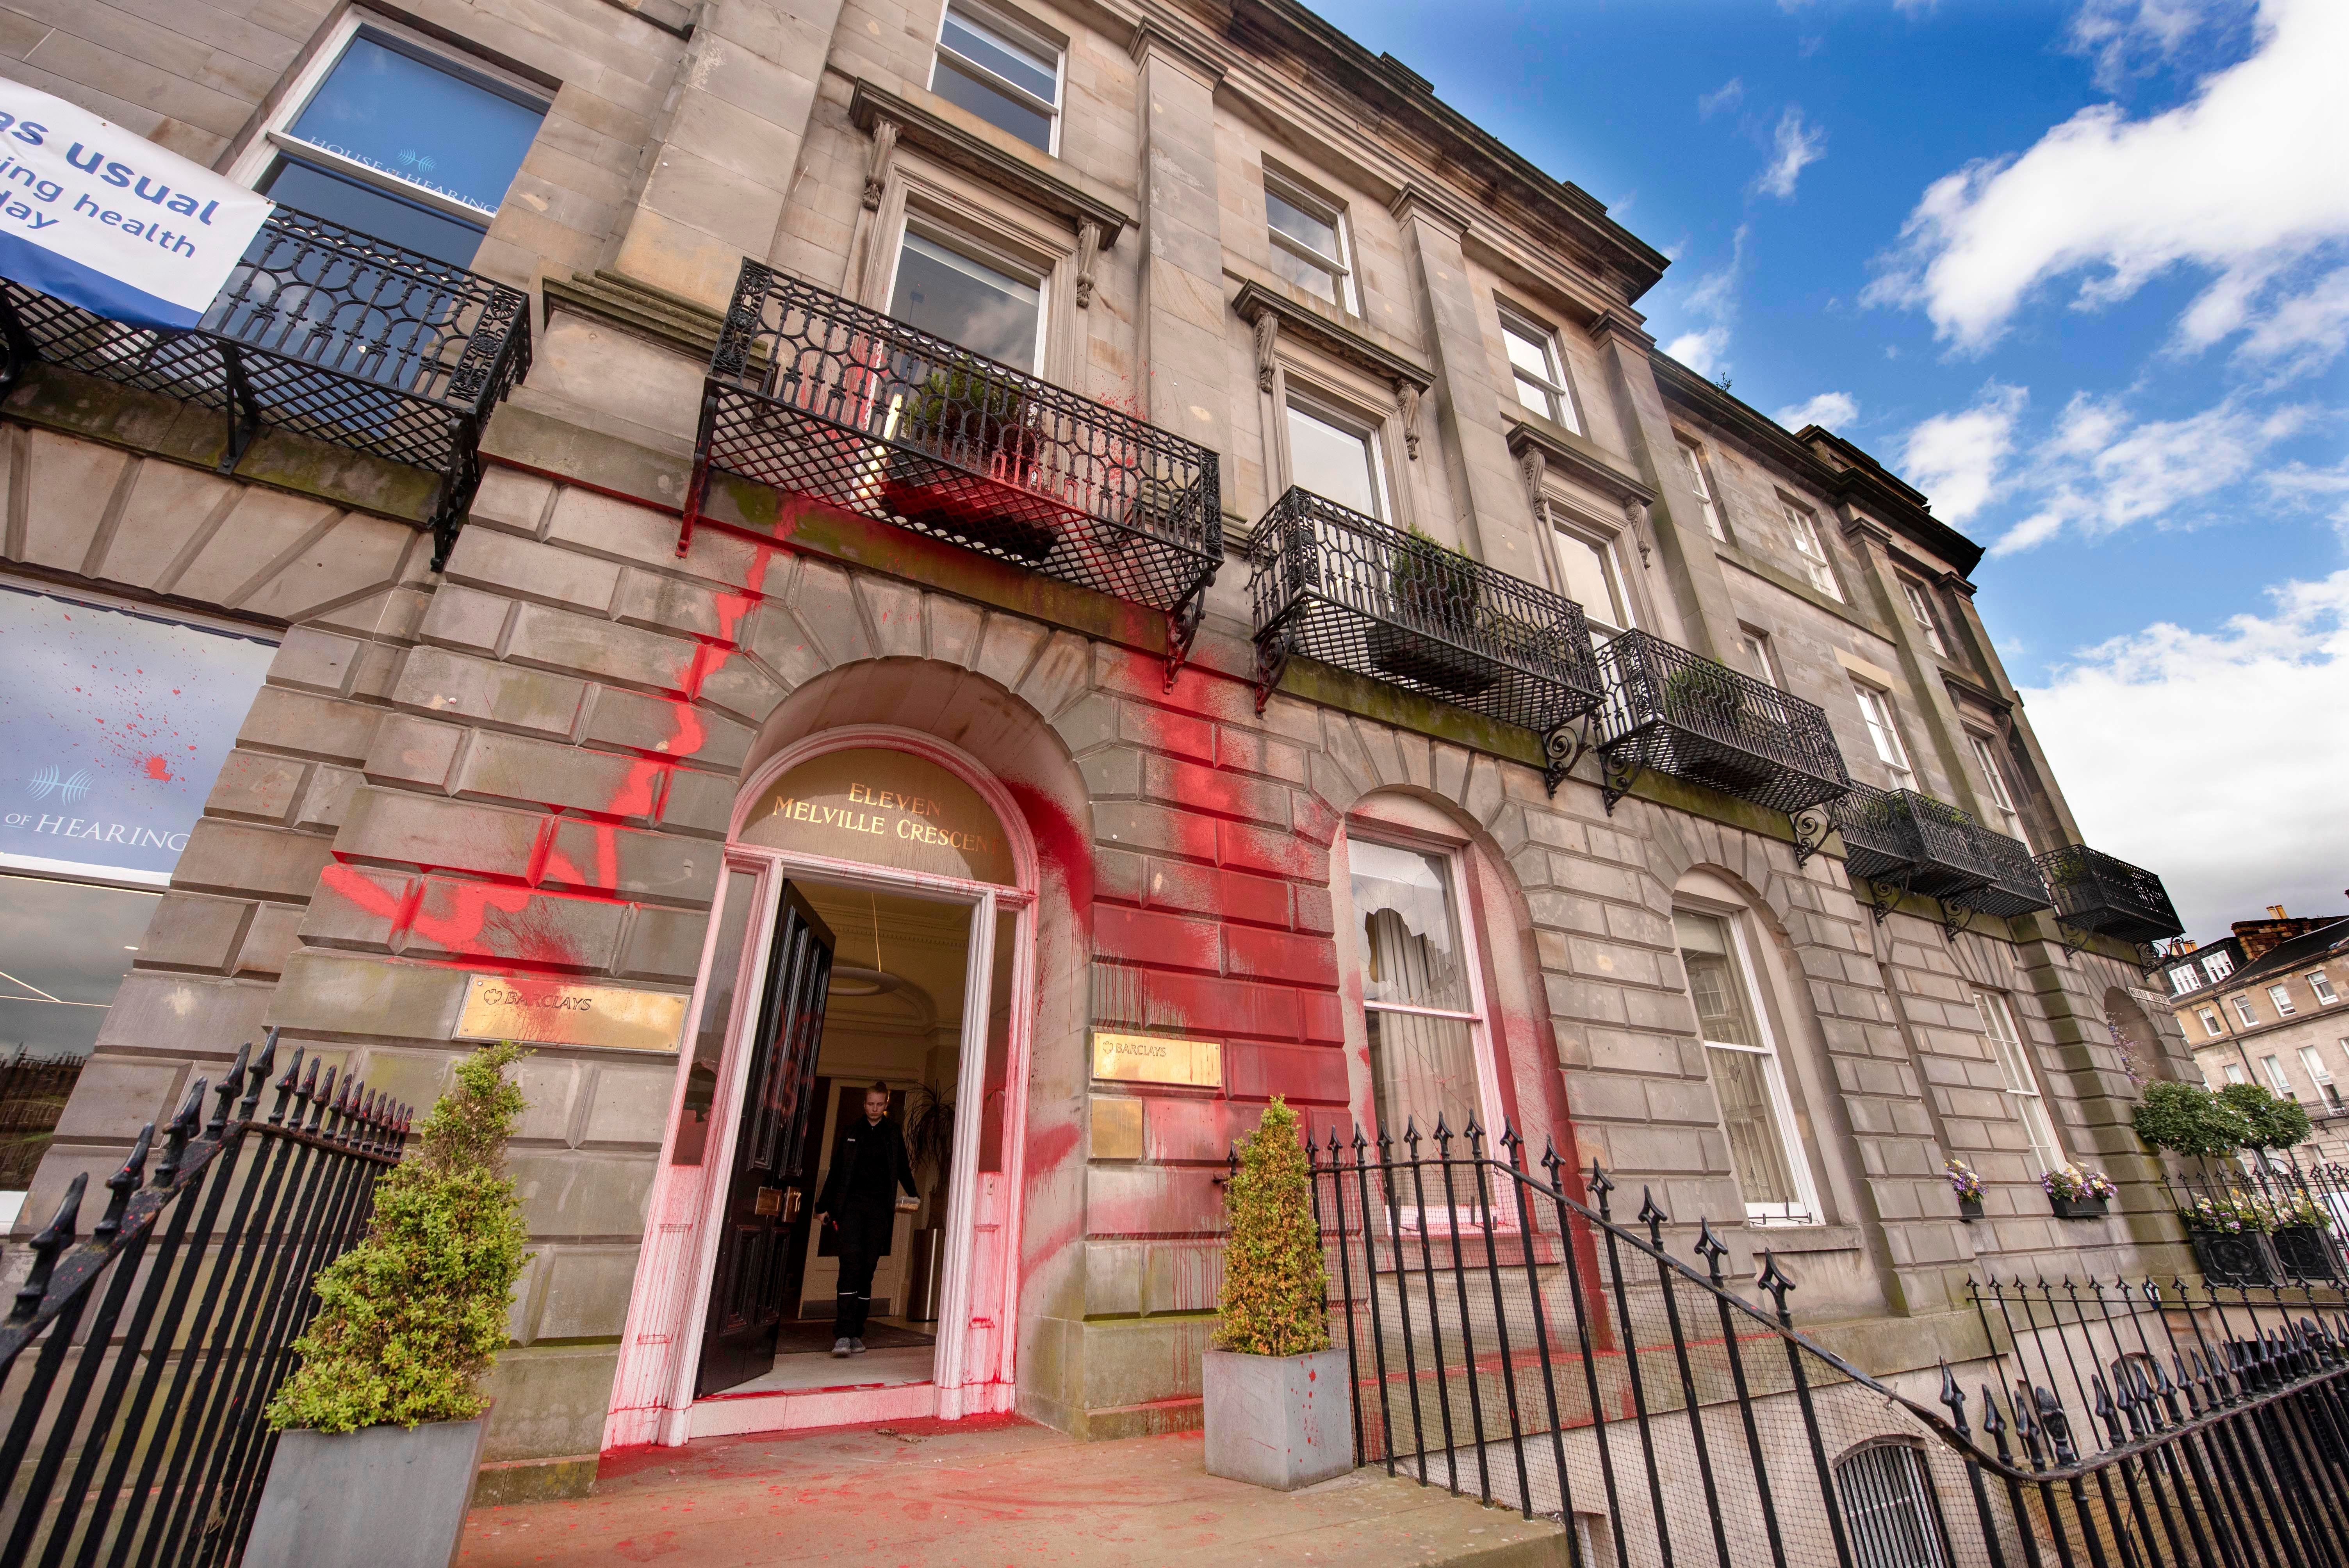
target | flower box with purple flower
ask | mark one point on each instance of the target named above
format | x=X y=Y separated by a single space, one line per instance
x=2076 y=1192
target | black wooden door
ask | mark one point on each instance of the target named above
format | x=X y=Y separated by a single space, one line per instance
x=757 y=1280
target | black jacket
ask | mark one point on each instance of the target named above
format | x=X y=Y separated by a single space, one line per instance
x=870 y=1165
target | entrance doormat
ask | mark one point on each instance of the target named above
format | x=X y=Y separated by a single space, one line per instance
x=808 y=1338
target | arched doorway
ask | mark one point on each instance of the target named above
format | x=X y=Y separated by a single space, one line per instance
x=875 y=928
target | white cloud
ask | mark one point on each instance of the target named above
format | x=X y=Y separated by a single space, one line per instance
x=1828 y=408
x=1956 y=459
x=1798 y=146
x=2124 y=37
x=2245 y=179
x=1725 y=96
x=1703 y=352
x=2125 y=723
x=1712 y=297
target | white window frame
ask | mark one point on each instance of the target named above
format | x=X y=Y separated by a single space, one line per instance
x=276 y=138
x=2212 y=1025
x=2185 y=978
x=1344 y=418
x=1304 y=199
x=1708 y=500
x=2001 y=798
x=2242 y=1004
x=1759 y=654
x=1921 y=610
x=2320 y=985
x=1553 y=381
x=2312 y=1060
x=1019 y=33
x=1805 y=1210
x=2280 y=998
x=2218 y=965
x=2022 y=1078
x=1882 y=722
x=1803 y=526
x=2233 y=1073
x=972 y=249
x=2278 y=1079
x=1610 y=560
x=1480 y=1039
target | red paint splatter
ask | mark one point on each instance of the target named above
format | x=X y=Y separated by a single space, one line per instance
x=159 y=770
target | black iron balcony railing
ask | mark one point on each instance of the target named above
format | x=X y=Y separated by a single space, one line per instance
x=2015 y=885
x=814 y=396
x=1347 y=590
x=2097 y=894
x=1900 y=841
x=321 y=331
x=1681 y=714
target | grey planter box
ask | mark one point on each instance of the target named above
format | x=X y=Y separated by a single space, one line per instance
x=382 y=1497
x=1278 y=1421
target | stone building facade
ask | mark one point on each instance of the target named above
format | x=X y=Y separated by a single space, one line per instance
x=2265 y=1005
x=542 y=765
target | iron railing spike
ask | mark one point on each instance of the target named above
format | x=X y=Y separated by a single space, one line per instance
x=123 y=1183
x=54 y=1239
x=256 y=1076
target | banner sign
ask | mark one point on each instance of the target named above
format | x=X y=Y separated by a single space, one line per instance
x=98 y=217
x=113 y=727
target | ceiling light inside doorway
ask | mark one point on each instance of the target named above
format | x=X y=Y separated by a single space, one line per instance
x=850 y=981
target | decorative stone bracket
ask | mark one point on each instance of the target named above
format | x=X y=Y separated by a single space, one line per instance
x=876 y=171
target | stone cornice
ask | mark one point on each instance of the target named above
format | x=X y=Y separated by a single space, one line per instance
x=1255 y=301
x=1415 y=199
x=1577 y=459
x=1152 y=34
x=634 y=307
x=923 y=126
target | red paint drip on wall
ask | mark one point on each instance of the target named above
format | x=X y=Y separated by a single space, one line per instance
x=159 y=770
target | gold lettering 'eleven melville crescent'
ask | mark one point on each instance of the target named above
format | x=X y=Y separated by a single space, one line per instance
x=550 y=1013
x=1157 y=1059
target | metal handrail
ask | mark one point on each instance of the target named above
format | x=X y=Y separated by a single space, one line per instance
x=1681 y=714
x=813 y=395
x=2102 y=894
x=1335 y=585
x=2015 y=885
x=324 y=332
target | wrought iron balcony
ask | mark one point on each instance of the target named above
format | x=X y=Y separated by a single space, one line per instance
x=1899 y=842
x=321 y=331
x=2014 y=886
x=814 y=396
x=1683 y=715
x=1349 y=591
x=2094 y=893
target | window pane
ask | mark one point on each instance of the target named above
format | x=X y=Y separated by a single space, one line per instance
x=418 y=122
x=1315 y=233
x=1411 y=941
x=997 y=51
x=1538 y=397
x=1316 y=281
x=371 y=210
x=1421 y=1069
x=991 y=103
x=1757 y=658
x=1528 y=354
x=1757 y=1145
x=1333 y=463
x=717 y=1014
x=943 y=292
x=1591 y=582
x=64 y=950
x=1715 y=982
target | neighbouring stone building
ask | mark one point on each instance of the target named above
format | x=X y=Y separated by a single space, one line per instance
x=968 y=462
x=2266 y=1005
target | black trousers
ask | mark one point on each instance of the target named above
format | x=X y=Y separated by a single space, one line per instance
x=863 y=1240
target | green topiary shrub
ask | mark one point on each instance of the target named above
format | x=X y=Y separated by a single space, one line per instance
x=1276 y=1296
x=412 y=1317
x=2187 y=1119
x=2269 y=1122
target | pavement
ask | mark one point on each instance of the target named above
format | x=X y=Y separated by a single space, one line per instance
x=988 y=1493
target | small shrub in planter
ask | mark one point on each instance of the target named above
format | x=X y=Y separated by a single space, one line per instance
x=1436 y=596
x=2187 y=1119
x=2230 y=1237
x=380 y=1427
x=2077 y=1192
x=1277 y=1410
x=2269 y=1122
x=965 y=418
x=1967 y=1186
x=2302 y=1239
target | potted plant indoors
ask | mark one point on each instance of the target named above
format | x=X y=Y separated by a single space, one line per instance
x=965 y=463
x=380 y=1431
x=2076 y=1191
x=1277 y=1410
x=1968 y=1187
x=1434 y=602
x=2230 y=1236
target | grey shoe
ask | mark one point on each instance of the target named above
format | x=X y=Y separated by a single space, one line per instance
x=855 y=1348
x=846 y=1347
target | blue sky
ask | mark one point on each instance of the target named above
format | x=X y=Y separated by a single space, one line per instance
x=2080 y=270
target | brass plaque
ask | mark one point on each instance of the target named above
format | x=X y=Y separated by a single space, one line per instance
x=886 y=809
x=553 y=1013
x=770 y=1202
x=1157 y=1059
x=1117 y=1128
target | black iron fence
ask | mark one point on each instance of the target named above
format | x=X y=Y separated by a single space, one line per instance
x=323 y=332
x=2095 y=891
x=812 y=395
x=136 y=1363
x=1333 y=585
x=2264 y=1219
x=1681 y=714
x=1513 y=1340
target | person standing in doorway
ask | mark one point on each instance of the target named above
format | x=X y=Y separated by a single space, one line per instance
x=860 y=1199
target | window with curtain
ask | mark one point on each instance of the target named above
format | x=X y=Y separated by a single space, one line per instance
x=1890 y=1514
x=1876 y=712
x=1418 y=1006
x=1747 y=1079
x=2021 y=1079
